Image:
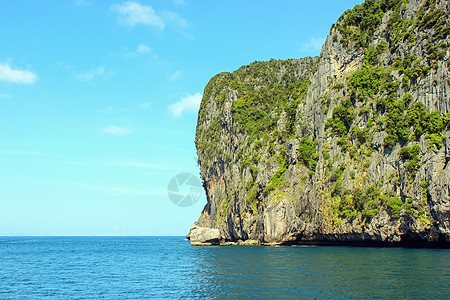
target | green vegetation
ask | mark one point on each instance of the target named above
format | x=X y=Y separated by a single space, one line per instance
x=367 y=80
x=411 y=156
x=337 y=173
x=394 y=205
x=410 y=153
x=396 y=125
x=262 y=97
x=366 y=202
x=399 y=114
x=424 y=121
x=424 y=186
x=359 y=24
x=266 y=91
x=375 y=81
x=446 y=121
x=254 y=108
x=435 y=139
x=372 y=54
x=307 y=154
x=252 y=112
x=432 y=18
x=277 y=180
x=338 y=86
x=410 y=67
x=257 y=110
x=210 y=139
x=341 y=119
x=357 y=27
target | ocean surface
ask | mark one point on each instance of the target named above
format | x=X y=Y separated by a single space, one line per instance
x=168 y=267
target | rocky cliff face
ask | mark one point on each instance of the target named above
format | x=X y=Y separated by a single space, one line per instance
x=352 y=146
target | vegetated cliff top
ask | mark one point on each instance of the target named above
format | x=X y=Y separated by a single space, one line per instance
x=350 y=146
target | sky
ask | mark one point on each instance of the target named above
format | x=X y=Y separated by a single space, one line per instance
x=99 y=102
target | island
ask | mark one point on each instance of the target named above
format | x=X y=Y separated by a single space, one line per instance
x=351 y=147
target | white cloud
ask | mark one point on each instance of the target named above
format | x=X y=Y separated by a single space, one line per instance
x=91 y=74
x=173 y=17
x=144 y=49
x=314 y=45
x=176 y=75
x=190 y=103
x=16 y=76
x=133 y=13
x=115 y=130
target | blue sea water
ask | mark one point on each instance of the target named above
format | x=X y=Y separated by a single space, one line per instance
x=168 y=267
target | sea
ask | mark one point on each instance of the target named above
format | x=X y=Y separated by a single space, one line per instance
x=170 y=268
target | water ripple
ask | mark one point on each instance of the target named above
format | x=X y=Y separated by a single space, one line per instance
x=155 y=267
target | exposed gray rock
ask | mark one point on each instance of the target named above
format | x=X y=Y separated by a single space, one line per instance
x=202 y=236
x=278 y=219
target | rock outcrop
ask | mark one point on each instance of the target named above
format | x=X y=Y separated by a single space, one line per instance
x=201 y=236
x=349 y=147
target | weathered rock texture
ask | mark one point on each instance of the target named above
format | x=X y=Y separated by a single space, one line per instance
x=352 y=146
x=201 y=236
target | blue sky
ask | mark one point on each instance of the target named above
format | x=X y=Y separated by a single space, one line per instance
x=98 y=102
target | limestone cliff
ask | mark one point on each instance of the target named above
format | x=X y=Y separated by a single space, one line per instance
x=352 y=146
